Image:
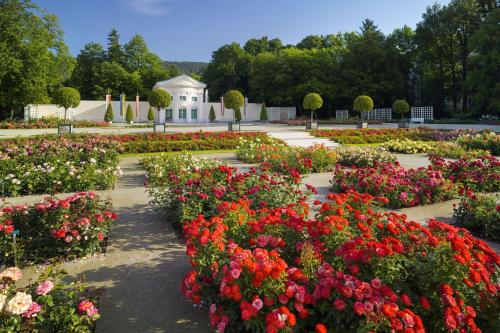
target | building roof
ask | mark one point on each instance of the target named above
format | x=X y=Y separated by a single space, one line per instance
x=181 y=81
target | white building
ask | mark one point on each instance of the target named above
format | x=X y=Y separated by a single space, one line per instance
x=188 y=100
x=189 y=105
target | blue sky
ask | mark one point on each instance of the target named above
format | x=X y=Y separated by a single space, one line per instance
x=192 y=29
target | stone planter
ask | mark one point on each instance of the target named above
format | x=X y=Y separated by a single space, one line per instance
x=159 y=128
x=403 y=125
x=311 y=125
x=363 y=124
x=64 y=128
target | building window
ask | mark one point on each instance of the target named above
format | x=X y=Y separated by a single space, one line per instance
x=182 y=98
x=194 y=99
x=182 y=113
x=194 y=113
x=168 y=114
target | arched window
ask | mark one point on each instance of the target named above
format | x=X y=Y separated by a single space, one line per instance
x=194 y=113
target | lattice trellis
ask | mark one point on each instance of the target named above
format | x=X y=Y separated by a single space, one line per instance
x=278 y=113
x=426 y=112
x=341 y=114
x=380 y=114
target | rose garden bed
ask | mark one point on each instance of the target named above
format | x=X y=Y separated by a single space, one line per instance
x=271 y=267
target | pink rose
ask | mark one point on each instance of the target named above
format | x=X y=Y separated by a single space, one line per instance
x=44 y=288
x=32 y=310
x=88 y=308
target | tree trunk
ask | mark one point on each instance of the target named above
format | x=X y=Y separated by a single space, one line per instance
x=65 y=111
x=465 y=51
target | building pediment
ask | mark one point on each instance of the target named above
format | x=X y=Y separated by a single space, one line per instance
x=181 y=81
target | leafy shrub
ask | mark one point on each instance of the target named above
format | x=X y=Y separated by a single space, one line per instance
x=47 y=306
x=57 y=164
x=363 y=104
x=401 y=107
x=48 y=122
x=129 y=116
x=402 y=187
x=406 y=146
x=363 y=156
x=479 y=213
x=151 y=114
x=55 y=228
x=211 y=114
x=486 y=141
x=280 y=157
x=481 y=174
x=233 y=99
x=263 y=113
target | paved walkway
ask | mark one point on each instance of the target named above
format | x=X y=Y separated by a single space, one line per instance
x=301 y=139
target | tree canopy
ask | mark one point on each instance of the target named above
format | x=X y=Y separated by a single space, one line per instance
x=160 y=99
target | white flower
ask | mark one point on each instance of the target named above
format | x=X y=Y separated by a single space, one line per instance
x=19 y=303
x=92 y=160
x=3 y=299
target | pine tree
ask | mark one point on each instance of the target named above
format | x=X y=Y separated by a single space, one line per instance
x=109 y=116
x=151 y=114
x=129 y=117
x=263 y=112
x=211 y=114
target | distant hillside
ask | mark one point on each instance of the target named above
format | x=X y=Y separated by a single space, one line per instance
x=188 y=66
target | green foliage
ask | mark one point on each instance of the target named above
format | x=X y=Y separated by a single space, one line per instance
x=151 y=114
x=129 y=116
x=312 y=101
x=237 y=115
x=34 y=58
x=263 y=113
x=401 y=107
x=478 y=213
x=211 y=114
x=363 y=104
x=109 y=115
x=160 y=99
x=485 y=60
x=233 y=99
x=66 y=97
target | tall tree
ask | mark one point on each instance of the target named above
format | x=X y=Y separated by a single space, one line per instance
x=484 y=78
x=136 y=53
x=115 y=50
x=33 y=57
x=85 y=75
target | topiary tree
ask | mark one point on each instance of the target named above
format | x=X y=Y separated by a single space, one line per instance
x=363 y=104
x=312 y=102
x=159 y=99
x=211 y=114
x=66 y=97
x=151 y=114
x=401 y=107
x=129 y=116
x=263 y=112
x=109 y=115
x=234 y=100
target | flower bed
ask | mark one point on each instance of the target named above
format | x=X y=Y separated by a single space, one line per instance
x=280 y=157
x=46 y=306
x=485 y=141
x=401 y=187
x=39 y=165
x=184 y=187
x=302 y=122
x=481 y=175
x=405 y=146
x=363 y=156
x=50 y=122
x=65 y=228
x=349 y=269
x=371 y=135
x=455 y=151
x=479 y=213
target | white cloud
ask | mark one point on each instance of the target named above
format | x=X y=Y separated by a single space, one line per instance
x=146 y=7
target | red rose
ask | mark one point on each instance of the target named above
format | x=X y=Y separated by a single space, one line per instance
x=320 y=328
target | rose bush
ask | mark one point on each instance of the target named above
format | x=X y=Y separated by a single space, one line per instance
x=39 y=165
x=485 y=141
x=184 y=187
x=348 y=269
x=47 y=306
x=363 y=156
x=49 y=122
x=55 y=228
x=280 y=157
x=479 y=213
x=455 y=151
x=481 y=174
x=405 y=146
x=402 y=187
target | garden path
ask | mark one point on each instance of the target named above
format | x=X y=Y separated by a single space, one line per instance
x=301 y=139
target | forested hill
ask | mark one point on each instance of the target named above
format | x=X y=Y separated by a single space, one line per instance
x=188 y=66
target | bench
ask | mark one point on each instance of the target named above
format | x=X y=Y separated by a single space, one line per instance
x=417 y=120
